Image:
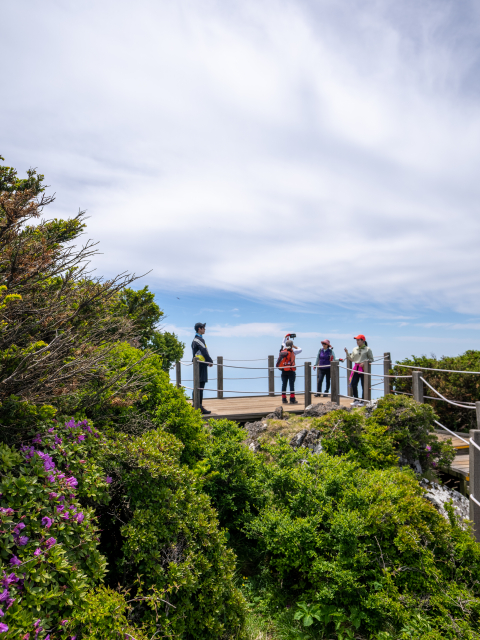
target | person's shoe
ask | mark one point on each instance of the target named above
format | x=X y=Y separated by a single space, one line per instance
x=284 y=401
x=325 y=395
x=355 y=403
x=293 y=401
x=204 y=411
x=318 y=395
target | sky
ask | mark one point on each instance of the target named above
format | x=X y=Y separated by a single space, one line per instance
x=270 y=165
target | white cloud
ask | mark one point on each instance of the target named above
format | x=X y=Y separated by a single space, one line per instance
x=282 y=150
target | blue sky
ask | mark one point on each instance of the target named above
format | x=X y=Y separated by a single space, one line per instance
x=273 y=165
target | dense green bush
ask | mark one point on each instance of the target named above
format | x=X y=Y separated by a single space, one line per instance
x=398 y=429
x=169 y=536
x=454 y=386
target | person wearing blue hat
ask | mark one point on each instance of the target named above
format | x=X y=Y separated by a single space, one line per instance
x=199 y=350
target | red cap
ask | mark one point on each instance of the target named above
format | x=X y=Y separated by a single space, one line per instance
x=359 y=337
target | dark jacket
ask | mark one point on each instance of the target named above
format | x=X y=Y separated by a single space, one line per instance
x=199 y=348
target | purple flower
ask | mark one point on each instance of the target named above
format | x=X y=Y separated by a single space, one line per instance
x=434 y=464
x=72 y=482
x=58 y=440
x=63 y=622
x=81 y=437
x=4 y=595
x=51 y=478
x=7 y=580
x=1 y=614
x=37 y=552
x=47 y=522
x=71 y=424
x=28 y=451
x=47 y=637
x=3 y=627
x=65 y=516
x=60 y=508
x=36 y=623
x=52 y=495
x=51 y=430
x=88 y=428
x=9 y=602
x=22 y=540
x=37 y=439
x=108 y=480
x=50 y=542
x=60 y=476
x=8 y=511
x=18 y=528
x=26 y=636
x=14 y=560
x=79 y=517
x=428 y=447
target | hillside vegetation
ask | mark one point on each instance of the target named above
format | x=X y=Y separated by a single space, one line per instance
x=125 y=515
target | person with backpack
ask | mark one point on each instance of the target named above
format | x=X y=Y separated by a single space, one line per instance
x=286 y=363
x=325 y=357
x=199 y=350
x=359 y=356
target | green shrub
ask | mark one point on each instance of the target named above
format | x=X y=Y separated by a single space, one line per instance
x=335 y=534
x=170 y=537
x=398 y=429
x=454 y=386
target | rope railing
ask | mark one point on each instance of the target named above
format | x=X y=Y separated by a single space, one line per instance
x=464 y=405
x=408 y=366
x=375 y=375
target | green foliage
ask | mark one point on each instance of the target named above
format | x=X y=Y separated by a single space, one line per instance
x=454 y=386
x=171 y=538
x=48 y=547
x=140 y=306
x=104 y=616
x=399 y=428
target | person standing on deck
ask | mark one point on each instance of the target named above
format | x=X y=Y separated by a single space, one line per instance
x=199 y=349
x=325 y=357
x=291 y=336
x=360 y=354
x=286 y=363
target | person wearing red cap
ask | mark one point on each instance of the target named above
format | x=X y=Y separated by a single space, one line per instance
x=360 y=354
x=325 y=357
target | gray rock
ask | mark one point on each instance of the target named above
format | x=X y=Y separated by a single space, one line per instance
x=254 y=429
x=298 y=438
x=320 y=409
x=438 y=495
x=311 y=438
x=254 y=446
x=276 y=415
x=318 y=448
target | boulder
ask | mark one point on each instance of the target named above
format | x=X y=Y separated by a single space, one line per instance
x=320 y=409
x=298 y=438
x=438 y=495
x=276 y=415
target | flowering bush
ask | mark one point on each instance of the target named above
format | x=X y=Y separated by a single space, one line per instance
x=48 y=542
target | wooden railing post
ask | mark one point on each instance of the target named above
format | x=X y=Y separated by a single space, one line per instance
x=335 y=382
x=417 y=386
x=178 y=374
x=271 y=376
x=220 y=377
x=349 y=371
x=387 y=365
x=367 y=381
x=474 y=473
x=196 y=383
x=308 y=383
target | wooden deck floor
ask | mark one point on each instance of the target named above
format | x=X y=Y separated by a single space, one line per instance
x=254 y=408
x=460 y=465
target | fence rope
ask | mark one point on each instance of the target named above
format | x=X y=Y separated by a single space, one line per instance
x=463 y=406
x=231 y=391
x=375 y=375
x=453 y=434
x=231 y=366
x=407 y=366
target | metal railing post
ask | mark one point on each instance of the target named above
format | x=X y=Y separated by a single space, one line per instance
x=196 y=383
x=387 y=365
x=219 y=377
x=271 y=376
x=367 y=381
x=417 y=386
x=308 y=383
x=178 y=374
x=335 y=382
x=474 y=473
